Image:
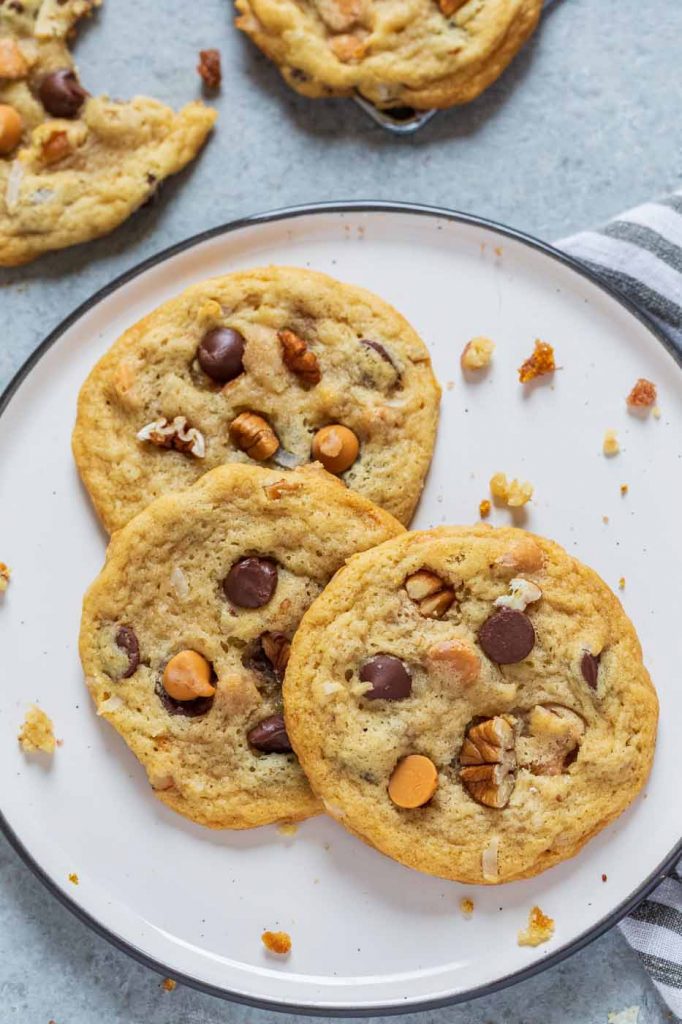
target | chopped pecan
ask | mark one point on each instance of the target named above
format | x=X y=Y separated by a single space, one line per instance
x=279 y=488
x=177 y=434
x=432 y=595
x=276 y=648
x=555 y=733
x=254 y=435
x=209 y=68
x=642 y=395
x=488 y=761
x=298 y=358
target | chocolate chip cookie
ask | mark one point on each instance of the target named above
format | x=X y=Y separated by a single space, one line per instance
x=72 y=166
x=186 y=632
x=471 y=701
x=419 y=53
x=277 y=366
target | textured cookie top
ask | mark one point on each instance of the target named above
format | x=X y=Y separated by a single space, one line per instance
x=424 y=53
x=256 y=367
x=72 y=166
x=471 y=701
x=222 y=572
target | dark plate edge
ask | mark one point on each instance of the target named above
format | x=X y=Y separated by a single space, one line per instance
x=287 y=213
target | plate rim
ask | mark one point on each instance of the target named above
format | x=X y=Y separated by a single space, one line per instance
x=287 y=213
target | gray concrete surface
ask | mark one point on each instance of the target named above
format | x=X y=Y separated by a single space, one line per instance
x=582 y=126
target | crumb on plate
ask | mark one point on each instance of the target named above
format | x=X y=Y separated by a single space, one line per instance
x=484 y=509
x=37 y=732
x=466 y=905
x=287 y=828
x=541 y=362
x=73 y=878
x=643 y=394
x=5 y=573
x=277 y=942
x=604 y=878
x=540 y=929
x=605 y=520
x=624 y=489
x=621 y=583
x=610 y=444
x=477 y=354
x=513 y=493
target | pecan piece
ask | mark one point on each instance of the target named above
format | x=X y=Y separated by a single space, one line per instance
x=555 y=735
x=177 y=434
x=430 y=593
x=642 y=395
x=276 y=648
x=254 y=435
x=488 y=761
x=298 y=358
x=209 y=68
x=55 y=148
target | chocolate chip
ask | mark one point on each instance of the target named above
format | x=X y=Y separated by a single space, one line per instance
x=270 y=736
x=378 y=347
x=221 y=354
x=589 y=666
x=389 y=678
x=61 y=93
x=127 y=641
x=507 y=636
x=251 y=582
x=188 y=708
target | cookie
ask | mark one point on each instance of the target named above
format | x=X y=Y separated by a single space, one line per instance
x=417 y=53
x=72 y=166
x=185 y=633
x=277 y=366
x=471 y=701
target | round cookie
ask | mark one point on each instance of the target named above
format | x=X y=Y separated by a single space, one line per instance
x=419 y=53
x=279 y=366
x=471 y=701
x=185 y=633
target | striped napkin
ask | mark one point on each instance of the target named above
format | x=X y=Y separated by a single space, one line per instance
x=640 y=254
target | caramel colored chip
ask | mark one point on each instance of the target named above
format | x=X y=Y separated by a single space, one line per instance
x=413 y=782
x=188 y=676
x=11 y=126
x=55 y=148
x=277 y=942
x=336 y=447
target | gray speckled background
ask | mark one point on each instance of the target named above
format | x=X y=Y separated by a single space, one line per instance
x=582 y=126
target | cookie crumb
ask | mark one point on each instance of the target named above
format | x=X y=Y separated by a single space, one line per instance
x=540 y=929
x=610 y=444
x=477 y=354
x=209 y=68
x=541 y=362
x=604 y=878
x=484 y=509
x=643 y=394
x=466 y=905
x=277 y=942
x=73 y=878
x=621 y=583
x=656 y=412
x=287 y=828
x=37 y=732
x=630 y=1015
x=605 y=520
x=513 y=493
x=168 y=984
x=624 y=489
x=5 y=574
x=450 y=385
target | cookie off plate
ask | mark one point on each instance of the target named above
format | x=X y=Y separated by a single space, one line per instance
x=368 y=935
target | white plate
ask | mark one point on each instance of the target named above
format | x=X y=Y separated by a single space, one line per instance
x=368 y=935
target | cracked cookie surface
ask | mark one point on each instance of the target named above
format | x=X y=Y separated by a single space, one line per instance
x=278 y=366
x=483 y=737
x=419 y=53
x=73 y=166
x=186 y=631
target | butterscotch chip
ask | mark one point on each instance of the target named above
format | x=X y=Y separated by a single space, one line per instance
x=643 y=394
x=188 y=676
x=37 y=732
x=413 y=782
x=277 y=942
x=540 y=929
x=336 y=447
x=541 y=362
x=11 y=126
x=477 y=354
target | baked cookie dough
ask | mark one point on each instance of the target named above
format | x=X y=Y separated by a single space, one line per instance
x=279 y=366
x=418 y=53
x=185 y=633
x=72 y=166
x=471 y=701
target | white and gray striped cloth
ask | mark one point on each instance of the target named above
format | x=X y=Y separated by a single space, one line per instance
x=640 y=254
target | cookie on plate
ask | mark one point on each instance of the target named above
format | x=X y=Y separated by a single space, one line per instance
x=185 y=633
x=419 y=53
x=72 y=166
x=279 y=366
x=471 y=701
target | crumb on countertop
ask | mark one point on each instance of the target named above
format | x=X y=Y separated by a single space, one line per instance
x=604 y=878
x=624 y=489
x=610 y=444
x=466 y=905
x=621 y=583
x=477 y=354
x=168 y=984
x=287 y=828
x=540 y=929
x=656 y=412
x=541 y=362
x=37 y=732
x=450 y=385
x=512 y=493
x=484 y=509
x=277 y=942
x=5 y=573
x=209 y=68
x=605 y=520
x=73 y=878
x=643 y=394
